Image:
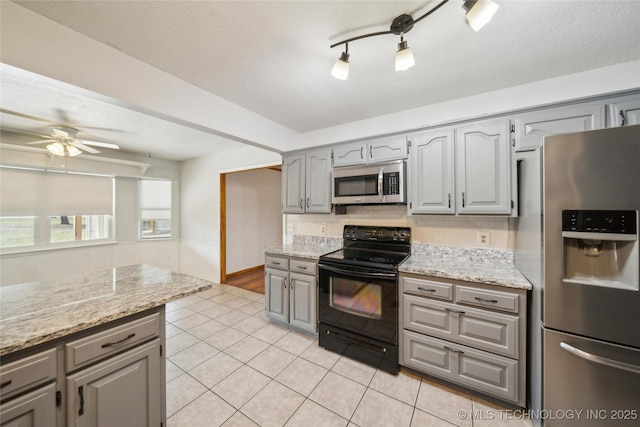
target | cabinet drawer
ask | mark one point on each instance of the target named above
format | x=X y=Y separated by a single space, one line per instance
x=304 y=267
x=276 y=262
x=485 y=372
x=97 y=346
x=484 y=298
x=28 y=372
x=427 y=288
x=495 y=332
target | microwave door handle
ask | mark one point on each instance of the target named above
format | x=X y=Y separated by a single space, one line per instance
x=380 y=187
x=357 y=273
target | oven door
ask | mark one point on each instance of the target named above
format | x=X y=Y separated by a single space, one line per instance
x=359 y=300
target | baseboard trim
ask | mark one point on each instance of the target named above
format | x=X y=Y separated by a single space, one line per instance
x=245 y=271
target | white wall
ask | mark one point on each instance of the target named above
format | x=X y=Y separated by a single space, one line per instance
x=254 y=217
x=200 y=193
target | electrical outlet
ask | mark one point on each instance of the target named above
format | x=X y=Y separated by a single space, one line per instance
x=323 y=230
x=291 y=228
x=483 y=238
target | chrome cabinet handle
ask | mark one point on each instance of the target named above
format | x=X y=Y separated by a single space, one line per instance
x=463 y=199
x=301 y=206
x=600 y=359
x=361 y=153
x=449 y=200
x=371 y=151
x=284 y=283
x=275 y=262
x=302 y=267
x=622 y=118
x=307 y=202
x=486 y=300
x=425 y=289
x=110 y=344
x=454 y=311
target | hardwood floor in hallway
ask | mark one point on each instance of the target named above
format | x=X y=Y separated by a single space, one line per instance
x=251 y=280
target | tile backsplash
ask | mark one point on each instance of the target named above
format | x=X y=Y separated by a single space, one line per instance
x=429 y=229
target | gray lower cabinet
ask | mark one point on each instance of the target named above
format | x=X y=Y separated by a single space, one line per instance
x=130 y=380
x=291 y=292
x=34 y=409
x=470 y=334
x=109 y=375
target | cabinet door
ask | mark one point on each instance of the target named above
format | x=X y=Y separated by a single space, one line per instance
x=97 y=395
x=431 y=164
x=302 y=301
x=293 y=188
x=624 y=113
x=483 y=169
x=531 y=128
x=387 y=149
x=350 y=154
x=318 y=181
x=276 y=294
x=34 y=409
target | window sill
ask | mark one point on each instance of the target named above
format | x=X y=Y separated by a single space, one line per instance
x=32 y=251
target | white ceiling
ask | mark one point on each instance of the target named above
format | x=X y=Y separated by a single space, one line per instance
x=273 y=57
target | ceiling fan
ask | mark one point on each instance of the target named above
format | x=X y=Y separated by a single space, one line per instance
x=63 y=142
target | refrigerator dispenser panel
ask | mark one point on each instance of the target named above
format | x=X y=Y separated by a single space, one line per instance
x=600 y=248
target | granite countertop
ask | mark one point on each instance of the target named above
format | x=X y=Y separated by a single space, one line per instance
x=36 y=312
x=311 y=247
x=490 y=266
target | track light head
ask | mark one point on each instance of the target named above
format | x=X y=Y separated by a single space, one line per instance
x=404 y=56
x=340 y=69
x=479 y=12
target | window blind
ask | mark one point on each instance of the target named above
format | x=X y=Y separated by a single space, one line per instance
x=155 y=199
x=34 y=193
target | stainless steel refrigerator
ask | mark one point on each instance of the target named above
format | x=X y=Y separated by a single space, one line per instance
x=577 y=242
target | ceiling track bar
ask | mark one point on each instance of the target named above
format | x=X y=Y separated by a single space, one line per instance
x=402 y=24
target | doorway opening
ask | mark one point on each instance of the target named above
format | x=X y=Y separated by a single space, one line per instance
x=250 y=220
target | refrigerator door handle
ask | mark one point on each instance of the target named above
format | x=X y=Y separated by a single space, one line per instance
x=599 y=359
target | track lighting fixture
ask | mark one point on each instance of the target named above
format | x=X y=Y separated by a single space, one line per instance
x=478 y=13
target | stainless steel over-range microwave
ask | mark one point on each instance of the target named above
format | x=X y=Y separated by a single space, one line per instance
x=370 y=184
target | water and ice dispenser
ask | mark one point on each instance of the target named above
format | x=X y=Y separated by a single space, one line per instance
x=600 y=248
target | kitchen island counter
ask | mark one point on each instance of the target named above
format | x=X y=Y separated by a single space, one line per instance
x=37 y=312
x=489 y=266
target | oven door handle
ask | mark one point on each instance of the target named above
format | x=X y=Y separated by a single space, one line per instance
x=358 y=273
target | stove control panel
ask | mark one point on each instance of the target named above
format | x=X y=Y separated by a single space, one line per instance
x=380 y=234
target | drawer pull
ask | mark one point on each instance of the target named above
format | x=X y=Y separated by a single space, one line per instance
x=486 y=300
x=302 y=267
x=6 y=383
x=454 y=350
x=128 y=337
x=275 y=263
x=425 y=289
x=454 y=311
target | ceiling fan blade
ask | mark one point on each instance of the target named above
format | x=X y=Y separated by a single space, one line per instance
x=100 y=144
x=41 y=142
x=83 y=147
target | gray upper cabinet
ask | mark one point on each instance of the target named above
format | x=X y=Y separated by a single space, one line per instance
x=373 y=151
x=306 y=182
x=350 y=154
x=318 y=181
x=432 y=173
x=531 y=128
x=483 y=168
x=626 y=112
x=293 y=183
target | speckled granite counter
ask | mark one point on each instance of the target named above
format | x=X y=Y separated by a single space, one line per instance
x=36 y=312
x=307 y=247
x=490 y=266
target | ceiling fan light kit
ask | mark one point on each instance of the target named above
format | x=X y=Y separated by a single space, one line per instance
x=478 y=13
x=64 y=142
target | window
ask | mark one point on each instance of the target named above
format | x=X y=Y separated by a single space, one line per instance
x=42 y=209
x=155 y=209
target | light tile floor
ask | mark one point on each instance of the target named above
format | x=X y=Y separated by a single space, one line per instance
x=227 y=365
